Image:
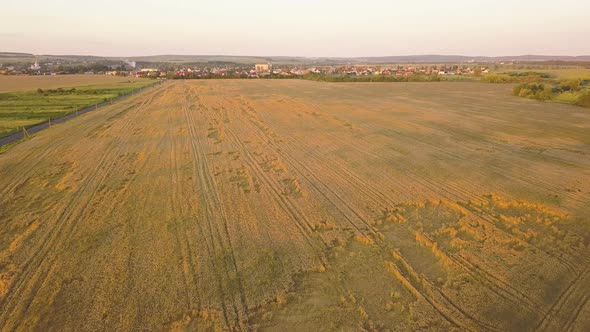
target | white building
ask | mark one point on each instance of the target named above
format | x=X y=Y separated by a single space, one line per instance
x=35 y=66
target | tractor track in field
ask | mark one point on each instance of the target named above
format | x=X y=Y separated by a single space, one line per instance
x=525 y=173
x=481 y=275
x=570 y=326
x=523 y=176
x=220 y=223
x=295 y=166
x=206 y=213
x=298 y=216
x=459 y=194
x=486 y=119
x=290 y=207
x=435 y=304
x=186 y=248
x=32 y=268
x=258 y=204
x=312 y=180
x=489 y=219
x=439 y=187
x=579 y=287
x=494 y=284
x=421 y=287
x=42 y=152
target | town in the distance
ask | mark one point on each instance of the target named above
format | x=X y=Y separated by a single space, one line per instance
x=235 y=70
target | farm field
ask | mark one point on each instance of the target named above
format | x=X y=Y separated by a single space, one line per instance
x=25 y=108
x=30 y=83
x=291 y=204
x=562 y=73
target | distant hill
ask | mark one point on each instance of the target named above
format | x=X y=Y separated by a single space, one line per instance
x=295 y=60
x=14 y=55
x=462 y=58
x=74 y=57
x=433 y=58
x=197 y=58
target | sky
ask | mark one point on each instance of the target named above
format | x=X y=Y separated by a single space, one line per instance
x=314 y=28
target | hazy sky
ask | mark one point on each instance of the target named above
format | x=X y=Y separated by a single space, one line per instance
x=303 y=27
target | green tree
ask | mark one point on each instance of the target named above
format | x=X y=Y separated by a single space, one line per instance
x=497 y=78
x=525 y=92
x=544 y=94
x=570 y=85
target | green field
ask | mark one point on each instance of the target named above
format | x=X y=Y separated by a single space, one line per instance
x=562 y=73
x=26 y=108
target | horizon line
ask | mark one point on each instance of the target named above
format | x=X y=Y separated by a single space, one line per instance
x=298 y=56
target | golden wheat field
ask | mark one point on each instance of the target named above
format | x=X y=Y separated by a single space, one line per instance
x=26 y=83
x=296 y=205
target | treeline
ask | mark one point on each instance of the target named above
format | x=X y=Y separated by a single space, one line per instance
x=533 y=91
x=59 y=91
x=584 y=99
x=528 y=74
x=197 y=76
x=81 y=69
x=84 y=68
x=372 y=78
x=72 y=91
x=513 y=77
x=313 y=77
x=572 y=88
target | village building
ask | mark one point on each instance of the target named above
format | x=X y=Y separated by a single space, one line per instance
x=35 y=66
x=263 y=67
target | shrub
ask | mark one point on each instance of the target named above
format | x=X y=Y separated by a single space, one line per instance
x=533 y=91
x=545 y=94
x=528 y=73
x=525 y=92
x=584 y=99
x=570 y=85
x=497 y=78
x=566 y=97
x=516 y=90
